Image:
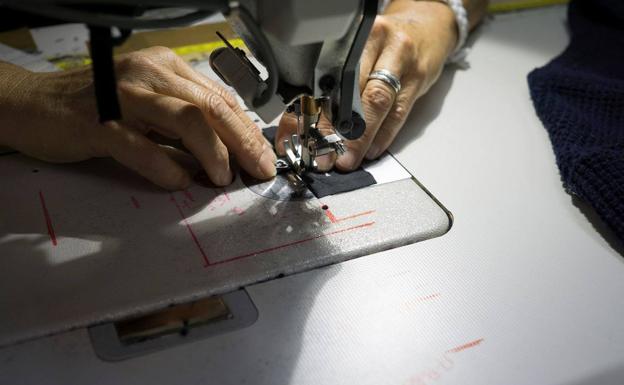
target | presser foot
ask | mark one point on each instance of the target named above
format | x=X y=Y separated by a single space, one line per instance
x=303 y=148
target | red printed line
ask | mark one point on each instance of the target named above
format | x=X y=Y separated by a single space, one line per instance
x=425 y=298
x=188 y=195
x=135 y=202
x=465 y=346
x=428 y=297
x=285 y=245
x=227 y=196
x=354 y=216
x=190 y=230
x=416 y=301
x=48 y=220
x=333 y=219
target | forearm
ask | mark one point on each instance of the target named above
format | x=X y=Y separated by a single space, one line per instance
x=35 y=105
x=15 y=85
x=476 y=9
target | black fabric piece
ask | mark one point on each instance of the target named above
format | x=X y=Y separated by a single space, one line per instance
x=579 y=97
x=269 y=133
x=335 y=182
x=332 y=182
x=101 y=42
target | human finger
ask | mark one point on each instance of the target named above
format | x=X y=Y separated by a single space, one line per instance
x=187 y=122
x=372 y=49
x=378 y=97
x=393 y=122
x=136 y=152
x=287 y=127
x=237 y=131
x=184 y=70
x=415 y=83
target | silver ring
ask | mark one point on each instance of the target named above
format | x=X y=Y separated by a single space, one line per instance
x=387 y=77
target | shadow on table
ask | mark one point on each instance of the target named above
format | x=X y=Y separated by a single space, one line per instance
x=613 y=375
x=266 y=353
x=113 y=259
x=121 y=273
x=425 y=111
x=599 y=225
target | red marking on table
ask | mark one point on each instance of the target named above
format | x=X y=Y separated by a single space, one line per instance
x=428 y=297
x=432 y=373
x=465 y=346
x=188 y=195
x=219 y=200
x=408 y=305
x=48 y=220
x=190 y=230
x=354 y=216
x=238 y=210
x=135 y=202
x=333 y=219
x=425 y=298
x=289 y=244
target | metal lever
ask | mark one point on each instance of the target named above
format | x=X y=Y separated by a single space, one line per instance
x=234 y=68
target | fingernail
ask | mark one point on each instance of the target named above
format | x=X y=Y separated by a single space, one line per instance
x=325 y=162
x=224 y=178
x=266 y=165
x=348 y=161
x=373 y=152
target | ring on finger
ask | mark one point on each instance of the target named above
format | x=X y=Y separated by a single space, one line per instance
x=387 y=77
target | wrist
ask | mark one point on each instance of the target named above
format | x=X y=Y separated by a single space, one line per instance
x=430 y=18
x=31 y=102
x=16 y=86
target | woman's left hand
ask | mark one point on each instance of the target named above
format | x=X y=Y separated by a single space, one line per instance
x=412 y=41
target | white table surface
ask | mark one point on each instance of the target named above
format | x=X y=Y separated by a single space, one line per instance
x=522 y=290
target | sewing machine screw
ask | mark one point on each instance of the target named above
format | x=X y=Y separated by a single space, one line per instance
x=345 y=125
x=281 y=164
x=327 y=83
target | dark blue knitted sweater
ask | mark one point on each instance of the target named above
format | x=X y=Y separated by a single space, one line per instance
x=579 y=97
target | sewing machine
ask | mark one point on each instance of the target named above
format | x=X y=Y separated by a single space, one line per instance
x=313 y=70
x=524 y=289
x=210 y=242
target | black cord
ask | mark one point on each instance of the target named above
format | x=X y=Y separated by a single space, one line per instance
x=104 y=73
x=123 y=22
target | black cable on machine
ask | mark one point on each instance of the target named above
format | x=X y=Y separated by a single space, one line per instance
x=101 y=46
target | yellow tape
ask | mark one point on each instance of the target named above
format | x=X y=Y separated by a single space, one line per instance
x=68 y=63
x=203 y=48
x=523 y=4
x=206 y=47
